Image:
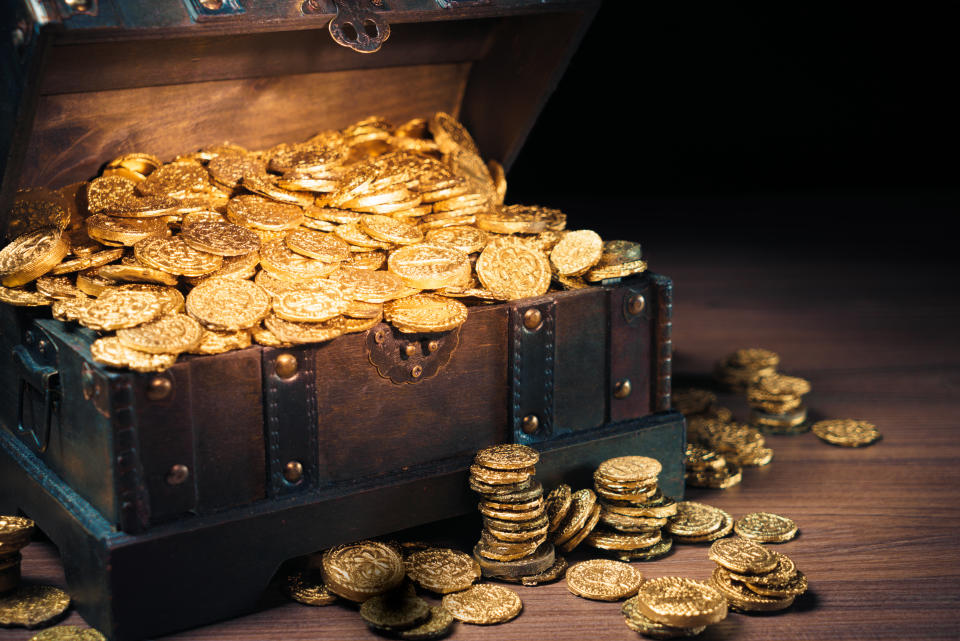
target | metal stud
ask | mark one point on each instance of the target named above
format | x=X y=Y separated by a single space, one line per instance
x=286 y=365
x=178 y=474
x=622 y=388
x=159 y=388
x=636 y=303
x=530 y=424
x=293 y=471
x=532 y=318
x=433 y=345
x=410 y=350
x=417 y=371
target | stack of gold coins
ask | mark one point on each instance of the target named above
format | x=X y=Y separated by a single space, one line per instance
x=513 y=543
x=753 y=578
x=632 y=509
x=710 y=469
x=740 y=445
x=776 y=403
x=15 y=532
x=671 y=607
x=736 y=370
x=698 y=523
x=699 y=405
x=572 y=516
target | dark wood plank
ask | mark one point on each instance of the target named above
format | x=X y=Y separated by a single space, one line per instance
x=878 y=525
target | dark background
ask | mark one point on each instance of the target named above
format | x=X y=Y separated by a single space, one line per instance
x=825 y=125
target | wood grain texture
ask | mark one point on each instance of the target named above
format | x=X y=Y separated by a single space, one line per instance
x=878 y=526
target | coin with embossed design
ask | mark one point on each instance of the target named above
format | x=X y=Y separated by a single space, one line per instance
x=511 y=269
x=371 y=286
x=425 y=313
x=110 y=351
x=359 y=571
x=31 y=606
x=429 y=265
x=442 y=570
x=765 y=527
x=68 y=633
x=37 y=208
x=681 y=602
x=603 y=580
x=170 y=334
x=740 y=555
x=96 y=259
x=577 y=252
x=122 y=309
x=295 y=333
x=30 y=256
x=646 y=626
x=308 y=588
x=463 y=237
x=390 y=230
x=136 y=274
x=581 y=509
x=172 y=255
x=316 y=244
x=258 y=212
x=228 y=304
x=310 y=306
x=484 y=604
x=221 y=238
x=628 y=469
x=742 y=598
x=281 y=262
x=846 y=432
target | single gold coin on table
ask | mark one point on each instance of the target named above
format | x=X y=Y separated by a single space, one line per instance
x=442 y=570
x=257 y=212
x=507 y=456
x=429 y=265
x=370 y=286
x=558 y=505
x=111 y=352
x=646 y=626
x=628 y=469
x=425 y=313
x=740 y=555
x=318 y=245
x=742 y=598
x=765 y=527
x=228 y=304
x=512 y=269
x=846 y=432
x=577 y=252
x=170 y=334
x=390 y=230
x=307 y=587
x=484 y=604
x=680 y=602
x=68 y=633
x=582 y=504
x=32 y=606
x=172 y=255
x=221 y=238
x=31 y=256
x=310 y=306
x=395 y=611
x=603 y=580
x=125 y=308
x=359 y=571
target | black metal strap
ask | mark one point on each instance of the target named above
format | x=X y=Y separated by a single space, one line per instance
x=532 y=357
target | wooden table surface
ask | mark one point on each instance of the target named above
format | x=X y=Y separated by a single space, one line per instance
x=880 y=526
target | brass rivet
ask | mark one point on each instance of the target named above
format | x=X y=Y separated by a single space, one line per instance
x=286 y=365
x=532 y=318
x=433 y=345
x=530 y=424
x=212 y=5
x=410 y=349
x=622 y=388
x=378 y=336
x=159 y=388
x=416 y=372
x=178 y=474
x=636 y=303
x=293 y=471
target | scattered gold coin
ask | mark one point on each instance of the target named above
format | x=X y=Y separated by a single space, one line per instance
x=110 y=351
x=846 y=432
x=483 y=604
x=577 y=252
x=359 y=571
x=436 y=627
x=680 y=602
x=394 y=611
x=123 y=308
x=307 y=587
x=32 y=606
x=68 y=633
x=603 y=580
x=765 y=527
x=638 y=622
x=742 y=556
x=442 y=570
x=174 y=256
x=742 y=598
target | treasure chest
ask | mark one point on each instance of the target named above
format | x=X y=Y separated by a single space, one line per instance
x=152 y=485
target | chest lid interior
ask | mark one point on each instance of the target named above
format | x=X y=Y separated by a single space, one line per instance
x=88 y=80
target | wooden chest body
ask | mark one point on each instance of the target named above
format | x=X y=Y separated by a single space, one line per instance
x=175 y=474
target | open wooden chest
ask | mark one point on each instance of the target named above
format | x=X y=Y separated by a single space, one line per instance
x=153 y=485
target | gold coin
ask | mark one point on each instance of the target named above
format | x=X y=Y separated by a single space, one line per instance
x=368 y=285
x=450 y=135
x=628 y=469
x=697 y=457
x=730 y=475
x=727 y=438
x=692 y=401
x=429 y=265
x=359 y=571
x=333 y=215
x=603 y=580
x=283 y=263
x=442 y=570
x=228 y=304
x=110 y=351
x=220 y=238
x=201 y=217
x=171 y=300
x=318 y=245
x=35 y=209
x=171 y=334
x=582 y=503
x=792 y=587
x=625 y=523
x=726 y=527
x=463 y=238
x=109 y=192
x=657 y=551
x=693 y=519
x=31 y=606
x=558 y=505
x=359 y=309
x=436 y=627
x=605 y=539
x=263 y=336
x=257 y=212
x=296 y=333
x=97 y=259
x=68 y=310
x=276 y=287
x=310 y=306
x=136 y=274
x=516 y=527
x=740 y=555
x=425 y=313
x=15 y=533
x=23 y=298
x=496 y=503
x=577 y=252
x=846 y=432
x=308 y=588
x=124 y=231
x=228 y=169
x=753 y=358
x=765 y=527
x=243 y=267
x=615 y=271
x=353 y=234
x=663 y=507
x=779 y=575
x=778 y=386
x=68 y=633
x=500 y=477
x=516 y=537
x=549 y=575
x=740 y=597
x=122 y=309
x=646 y=626
x=511 y=269
x=570 y=544
x=512 y=515
x=390 y=230
x=30 y=256
x=484 y=604
x=516 y=219
x=176 y=180
x=366 y=260
x=174 y=256
x=394 y=611
x=680 y=602
x=139 y=162
x=508 y=456
x=216 y=342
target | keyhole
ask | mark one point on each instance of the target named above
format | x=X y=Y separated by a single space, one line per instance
x=370 y=27
x=349 y=31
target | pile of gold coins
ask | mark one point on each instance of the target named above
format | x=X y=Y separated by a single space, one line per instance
x=735 y=371
x=670 y=607
x=632 y=509
x=708 y=468
x=753 y=578
x=699 y=523
x=776 y=402
x=513 y=544
x=15 y=533
x=299 y=243
x=572 y=516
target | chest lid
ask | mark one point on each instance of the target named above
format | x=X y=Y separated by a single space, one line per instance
x=88 y=80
